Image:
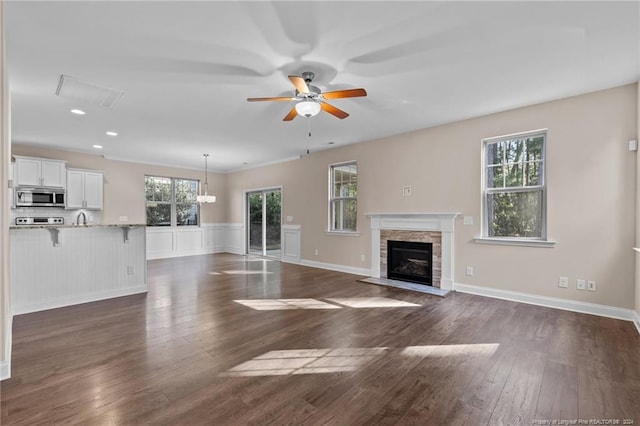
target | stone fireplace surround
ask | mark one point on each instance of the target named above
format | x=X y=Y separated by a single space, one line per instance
x=424 y=227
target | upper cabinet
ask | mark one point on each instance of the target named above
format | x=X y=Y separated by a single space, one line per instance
x=30 y=171
x=84 y=189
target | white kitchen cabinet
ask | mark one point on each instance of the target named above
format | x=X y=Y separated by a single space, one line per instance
x=31 y=171
x=84 y=189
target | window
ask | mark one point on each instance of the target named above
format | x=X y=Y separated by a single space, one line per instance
x=514 y=192
x=343 y=203
x=171 y=201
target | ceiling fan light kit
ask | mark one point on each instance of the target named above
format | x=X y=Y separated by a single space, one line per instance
x=206 y=198
x=308 y=108
x=310 y=99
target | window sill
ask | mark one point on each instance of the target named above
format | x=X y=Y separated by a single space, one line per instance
x=343 y=233
x=516 y=242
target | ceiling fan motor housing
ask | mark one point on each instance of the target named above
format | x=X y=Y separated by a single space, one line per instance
x=308 y=76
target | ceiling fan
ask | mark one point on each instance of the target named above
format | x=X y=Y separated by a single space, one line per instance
x=310 y=99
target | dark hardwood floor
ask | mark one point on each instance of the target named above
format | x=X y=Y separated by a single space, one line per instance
x=224 y=339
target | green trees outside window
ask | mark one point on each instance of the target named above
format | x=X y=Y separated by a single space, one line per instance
x=344 y=197
x=171 y=201
x=514 y=187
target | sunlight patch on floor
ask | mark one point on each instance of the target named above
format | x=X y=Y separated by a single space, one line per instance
x=371 y=302
x=438 y=351
x=306 y=361
x=245 y=272
x=285 y=304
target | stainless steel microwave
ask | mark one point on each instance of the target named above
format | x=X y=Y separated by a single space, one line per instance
x=39 y=197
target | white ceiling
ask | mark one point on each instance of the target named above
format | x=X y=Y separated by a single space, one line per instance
x=187 y=68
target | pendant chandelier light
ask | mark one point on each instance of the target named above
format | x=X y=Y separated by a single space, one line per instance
x=206 y=198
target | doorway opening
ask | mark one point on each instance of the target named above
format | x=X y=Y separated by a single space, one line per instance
x=264 y=221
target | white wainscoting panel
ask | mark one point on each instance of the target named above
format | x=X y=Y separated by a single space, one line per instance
x=235 y=238
x=87 y=264
x=189 y=240
x=163 y=242
x=159 y=240
x=291 y=243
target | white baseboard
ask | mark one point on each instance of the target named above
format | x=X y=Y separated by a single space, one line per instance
x=551 y=302
x=76 y=300
x=168 y=254
x=339 y=268
x=232 y=250
x=636 y=320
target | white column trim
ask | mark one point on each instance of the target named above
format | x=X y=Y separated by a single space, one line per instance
x=5 y=159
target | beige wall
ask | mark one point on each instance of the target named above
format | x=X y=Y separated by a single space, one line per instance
x=124 y=183
x=590 y=172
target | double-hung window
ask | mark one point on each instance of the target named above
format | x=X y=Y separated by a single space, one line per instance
x=343 y=197
x=514 y=189
x=171 y=201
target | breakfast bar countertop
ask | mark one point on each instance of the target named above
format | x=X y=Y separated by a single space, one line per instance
x=71 y=225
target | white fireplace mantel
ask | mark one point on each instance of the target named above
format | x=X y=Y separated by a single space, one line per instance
x=443 y=222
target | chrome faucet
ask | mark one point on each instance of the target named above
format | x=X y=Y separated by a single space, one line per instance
x=84 y=218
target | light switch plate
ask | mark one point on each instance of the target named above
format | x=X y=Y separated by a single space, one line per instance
x=406 y=191
x=467 y=220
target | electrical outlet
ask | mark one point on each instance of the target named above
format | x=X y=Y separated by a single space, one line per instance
x=406 y=191
x=563 y=282
x=124 y=218
x=316 y=252
x=468 y=271
x=130 y=270
x=363 y=258
x=581 y=284
x=591 y=285
x=289 y=218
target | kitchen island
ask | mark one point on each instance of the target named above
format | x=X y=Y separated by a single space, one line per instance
x=61 y=265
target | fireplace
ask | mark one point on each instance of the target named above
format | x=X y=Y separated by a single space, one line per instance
x=410 y=261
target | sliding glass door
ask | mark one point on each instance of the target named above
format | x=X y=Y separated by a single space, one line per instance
x=263 y=222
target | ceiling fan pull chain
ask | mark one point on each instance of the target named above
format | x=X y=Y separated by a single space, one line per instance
x=309 y=131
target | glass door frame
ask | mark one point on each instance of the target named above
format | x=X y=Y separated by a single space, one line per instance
x=247 y=218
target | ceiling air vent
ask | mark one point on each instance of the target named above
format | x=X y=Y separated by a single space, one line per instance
x=72 y=88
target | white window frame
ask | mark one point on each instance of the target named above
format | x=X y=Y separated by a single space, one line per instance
x=486 y=191
x=332 y=198
x=173 y=202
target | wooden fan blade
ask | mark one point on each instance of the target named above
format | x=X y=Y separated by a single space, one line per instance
x=301 y=85
x=292 y=114
x=350 y=93
x=277 y=98
x=333 y=110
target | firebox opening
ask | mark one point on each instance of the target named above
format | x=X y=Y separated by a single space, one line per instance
x=410 y=261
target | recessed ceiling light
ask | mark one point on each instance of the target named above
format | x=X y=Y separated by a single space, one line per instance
x=78 y=111
x=97 y=146
x=112 y=134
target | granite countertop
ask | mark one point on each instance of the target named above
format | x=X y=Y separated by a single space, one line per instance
x=43 y=226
